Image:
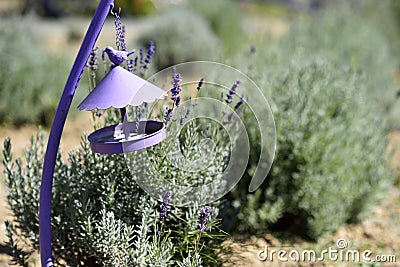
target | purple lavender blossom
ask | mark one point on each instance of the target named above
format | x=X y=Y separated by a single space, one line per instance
x=228 y=99
x=203 y=218
x=182 y=121
x=141 y=55
x=232 y=92
x=175 y=91
x=234 y=87
x=164 y=205
x=168 y=114
x=130 y=64
x=187 y=112
x=151 y=49
x=177 y=101
x=201 y=82
x=93 y=62
x=238 y=104
x=253 y=49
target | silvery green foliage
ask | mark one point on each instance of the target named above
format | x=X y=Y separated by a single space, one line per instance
x=347 y=37
x=101 y=217
x=225 y=20
x=22 y=179
x=30 y=77
x=113 y=239
x=20 y=257
x=193 y=150
x=180 y=35
x=330 y=166
x=329 y=83
x=191 y=261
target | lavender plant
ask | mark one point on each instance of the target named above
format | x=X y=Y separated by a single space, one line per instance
x=180 y=35
x=225 y=19
x=330 y=165
x=29 y=77
x=331 y=102
x=101 y=217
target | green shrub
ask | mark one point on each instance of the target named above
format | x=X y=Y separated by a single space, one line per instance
x=100 y=216
x=329 y=81
x=180 y=35
x=386 y=16
x=329 y=166
x=225 y=19
x=31 y=79
x=346 y=37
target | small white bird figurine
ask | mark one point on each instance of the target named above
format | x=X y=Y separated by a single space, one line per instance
x=117 y=57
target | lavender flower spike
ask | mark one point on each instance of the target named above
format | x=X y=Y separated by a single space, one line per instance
x=168 y=114
x=201 y=82
x=164 y=205
x=238 y=104
x=253 y=49
x=175 y=91
x=178 y=101
x=151 y=49
x=203 y=218
x=232 y=92
x=92 y=62
x=141 y=55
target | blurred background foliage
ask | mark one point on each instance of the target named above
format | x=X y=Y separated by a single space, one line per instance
x=330 y=76
x=179 y=35
x=30 y=78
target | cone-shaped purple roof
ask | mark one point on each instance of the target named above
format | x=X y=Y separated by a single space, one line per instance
x=120 y=88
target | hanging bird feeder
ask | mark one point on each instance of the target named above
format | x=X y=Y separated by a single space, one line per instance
x=118 y=89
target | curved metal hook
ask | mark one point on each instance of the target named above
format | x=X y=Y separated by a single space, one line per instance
x=114 y=13
x=111 y=9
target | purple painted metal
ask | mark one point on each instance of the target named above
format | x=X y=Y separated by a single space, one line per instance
x=115 y=56
x=143 y=134
x=120 y=88
x=57 y=128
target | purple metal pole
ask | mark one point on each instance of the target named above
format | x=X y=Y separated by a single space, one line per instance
x=58 y=125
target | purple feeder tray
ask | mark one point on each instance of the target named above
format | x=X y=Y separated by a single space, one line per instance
x=142 y=134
